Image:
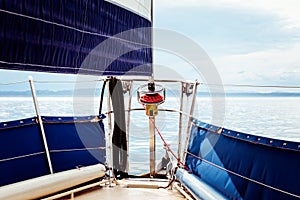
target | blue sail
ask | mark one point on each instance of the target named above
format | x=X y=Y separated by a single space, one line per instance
x=93 y=37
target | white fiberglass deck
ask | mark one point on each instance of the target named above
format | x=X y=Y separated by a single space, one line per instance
x=130 y=189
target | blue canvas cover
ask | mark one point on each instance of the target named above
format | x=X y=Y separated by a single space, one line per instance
x=73 y=142
x=22 y=153
x=57 y=36
x=243 y=166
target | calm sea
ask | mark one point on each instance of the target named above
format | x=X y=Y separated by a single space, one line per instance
x=277 y=117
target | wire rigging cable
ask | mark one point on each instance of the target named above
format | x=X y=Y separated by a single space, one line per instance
x=14 y=83
x=241 y=176
x=253 y=86
x=205 y=84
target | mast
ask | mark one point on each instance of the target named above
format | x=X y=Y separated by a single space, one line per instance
x=152 y=42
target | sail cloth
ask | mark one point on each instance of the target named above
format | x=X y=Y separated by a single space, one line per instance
x=94 y=37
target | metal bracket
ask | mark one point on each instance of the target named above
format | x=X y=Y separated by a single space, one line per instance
x=188 y=88
x=126 y=86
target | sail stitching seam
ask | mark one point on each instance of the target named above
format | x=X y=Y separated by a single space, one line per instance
x=72 y=28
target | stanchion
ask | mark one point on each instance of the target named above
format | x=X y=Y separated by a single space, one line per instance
x=150 y=96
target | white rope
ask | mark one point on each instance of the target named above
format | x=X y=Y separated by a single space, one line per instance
x=23 y=156
x=244 y=177
x=52 y=151
x=72 y=28
x=82 y=149
x=35 y=65
x=13 y=83
x=253 y=86
x=76 y=81
x=60 y=67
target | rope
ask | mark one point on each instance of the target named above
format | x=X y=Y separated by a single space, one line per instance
x=244 y=177
x=253 y=86
x=60 y=67
x=75 y=81
x=22 y=156
x=169 y=184
x=41 y=81
x=218 y=85
x=82 y=149
x=52 y=151
x=13 y=83
x=166 y=145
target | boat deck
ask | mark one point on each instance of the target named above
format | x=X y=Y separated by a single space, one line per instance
x=130 y=189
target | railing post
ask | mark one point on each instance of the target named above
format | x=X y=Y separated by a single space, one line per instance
x=109 y=130
x=152 y=148
x=39 y=118
x=180 y=122
x=128 y=123
x=187 y=138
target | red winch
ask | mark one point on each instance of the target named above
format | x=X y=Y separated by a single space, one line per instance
x=151 y=95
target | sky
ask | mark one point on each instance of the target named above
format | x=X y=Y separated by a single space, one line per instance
x=249 y=42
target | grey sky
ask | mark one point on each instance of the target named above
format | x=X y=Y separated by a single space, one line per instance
x=250 y=42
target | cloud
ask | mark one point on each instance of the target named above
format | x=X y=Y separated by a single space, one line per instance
x=228 y=29
x=250 y=42
x=288 y=10
x=273 y=66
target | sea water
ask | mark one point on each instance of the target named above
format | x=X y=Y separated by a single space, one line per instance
x=276 y=117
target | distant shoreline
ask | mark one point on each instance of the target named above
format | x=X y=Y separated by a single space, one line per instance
x=69 y=93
